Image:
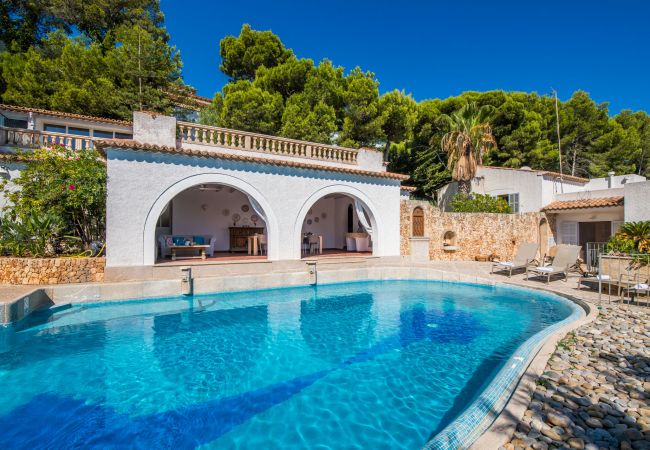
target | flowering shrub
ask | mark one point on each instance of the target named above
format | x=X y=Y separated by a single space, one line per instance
x=68 y=187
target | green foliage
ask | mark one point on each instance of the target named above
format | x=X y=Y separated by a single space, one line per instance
x=468 y=140
x=619 y=244
x=475 y=203
x=241 y=56
x=36 y=234
x=105 y=59
x=271 y=91
x=248 y=107
x=63 y=186
x=635 y=235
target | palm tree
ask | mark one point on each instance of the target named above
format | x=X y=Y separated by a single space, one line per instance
x=639 y=232
x=469 y=139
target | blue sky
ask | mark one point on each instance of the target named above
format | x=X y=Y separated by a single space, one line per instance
x=435 y=49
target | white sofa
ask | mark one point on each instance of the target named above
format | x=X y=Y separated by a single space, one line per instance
x=164 y=249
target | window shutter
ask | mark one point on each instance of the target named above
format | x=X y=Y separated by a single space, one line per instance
x=569 y=233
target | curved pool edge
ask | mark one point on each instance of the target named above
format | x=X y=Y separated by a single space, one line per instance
x=494 y=430
x=490 y=421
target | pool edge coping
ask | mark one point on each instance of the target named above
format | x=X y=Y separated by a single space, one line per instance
x=503 y=427
x=499 y=430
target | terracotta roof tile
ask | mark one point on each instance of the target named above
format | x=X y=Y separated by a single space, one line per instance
x=601 y=202
x=46 y=112
x=135 y=145
x=408 y=188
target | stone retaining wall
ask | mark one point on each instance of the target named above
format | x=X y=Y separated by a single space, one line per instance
x=475 y=233
x=51 y=270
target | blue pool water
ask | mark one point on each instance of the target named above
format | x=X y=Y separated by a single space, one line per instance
x=358 y=365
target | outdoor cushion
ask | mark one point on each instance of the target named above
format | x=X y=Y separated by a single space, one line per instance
x=506 y=263
x=178 y=240
x=640 y=286
x=544 y=269
x=198 y=240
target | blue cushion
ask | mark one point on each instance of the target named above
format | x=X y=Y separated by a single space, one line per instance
x=178 y=240
x=198 y=240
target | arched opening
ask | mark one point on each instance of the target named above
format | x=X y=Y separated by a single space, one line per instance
x=211 y=221
x=418 y=222
x=543 y=237
x=338 y=224
x=449 y=241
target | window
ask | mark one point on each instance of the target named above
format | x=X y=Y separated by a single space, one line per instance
x=78 y=131
x=54 y=128
x=15 y=123
x=513 y=201
x=123 y=136
x=569 y=233
x=103 y=134
x=418 y=222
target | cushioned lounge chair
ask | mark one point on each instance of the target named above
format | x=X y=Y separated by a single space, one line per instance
x=565 y=258
x=526 y=254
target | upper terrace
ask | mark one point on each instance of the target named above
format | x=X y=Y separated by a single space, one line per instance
x=31 y=128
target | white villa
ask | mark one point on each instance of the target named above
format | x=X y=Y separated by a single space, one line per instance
x=585 y=211
x=228 y=194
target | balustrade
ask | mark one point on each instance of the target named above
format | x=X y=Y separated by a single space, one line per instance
x=17 y=137
x=242 y=140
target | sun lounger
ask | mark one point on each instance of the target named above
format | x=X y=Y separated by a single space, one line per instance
x=526 y=254
x=565 y=258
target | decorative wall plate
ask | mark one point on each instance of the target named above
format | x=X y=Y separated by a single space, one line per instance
x=324 y=215
x=316 y=219
x=245 y=208
x=255 y=218
x=235 y=218
x=225 y=212
x=308 y=221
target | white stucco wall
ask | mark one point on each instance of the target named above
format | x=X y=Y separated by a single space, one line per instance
x=618 y=181
x=9 y=171
x=637 y=201
x=528 y=184
x=141 y=183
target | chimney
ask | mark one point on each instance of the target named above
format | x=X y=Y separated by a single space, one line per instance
x=610 y=179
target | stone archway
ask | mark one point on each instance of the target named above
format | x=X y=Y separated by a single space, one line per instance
x=149 y=248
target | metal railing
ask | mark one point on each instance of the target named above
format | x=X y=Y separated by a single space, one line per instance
x=593 y=250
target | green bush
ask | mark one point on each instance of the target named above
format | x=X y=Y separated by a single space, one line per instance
x=477 y=203
x=36 y=235
x=59 y=203
x=632 y=237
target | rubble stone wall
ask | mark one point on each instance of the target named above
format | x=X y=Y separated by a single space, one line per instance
x=51 y=270
x=476 y=234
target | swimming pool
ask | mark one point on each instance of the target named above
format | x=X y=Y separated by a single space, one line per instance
x=377 y=364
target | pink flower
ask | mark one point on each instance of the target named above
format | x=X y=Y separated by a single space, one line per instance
x=72 y=187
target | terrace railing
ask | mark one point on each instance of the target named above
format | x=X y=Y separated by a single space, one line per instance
x=22 y=138
x=192 y=133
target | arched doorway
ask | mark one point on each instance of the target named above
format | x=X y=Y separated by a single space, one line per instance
x=210 y=216
x=337 y=221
